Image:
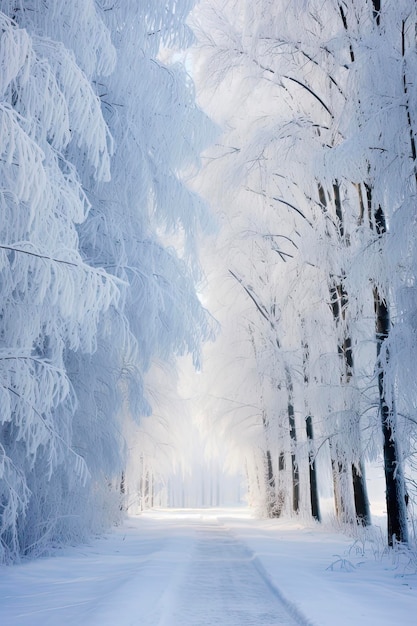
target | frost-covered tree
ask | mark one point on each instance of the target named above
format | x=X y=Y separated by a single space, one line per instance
x=95 y=133
x=381 y=49
x=148 y=203
x=319 y=127
x=51 y=298
x=289 y=116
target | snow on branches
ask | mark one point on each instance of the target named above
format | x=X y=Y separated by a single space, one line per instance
x=94 y=134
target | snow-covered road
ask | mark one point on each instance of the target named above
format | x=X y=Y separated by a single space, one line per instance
x=221 y=585
x=184 y=570
x=213 y=568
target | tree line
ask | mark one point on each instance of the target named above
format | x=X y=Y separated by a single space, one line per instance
x=317 y=172
x=97 y=138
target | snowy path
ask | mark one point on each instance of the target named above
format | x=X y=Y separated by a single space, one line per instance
x=168 y=571
x=222 y=586
x=213 y=568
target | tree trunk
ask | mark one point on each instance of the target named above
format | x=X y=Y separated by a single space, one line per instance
x=273 y=504
x=281 y=489
x=273 y=508
x=339 y=302
x=394 y=478
x=314 y=492
x=363 y=513
x=293 y=437
x=342 y=489
x=122 y=488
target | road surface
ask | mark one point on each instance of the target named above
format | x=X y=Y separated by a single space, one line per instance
x=168 y=571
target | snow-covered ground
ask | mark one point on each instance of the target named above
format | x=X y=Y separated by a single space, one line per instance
x=215 y=567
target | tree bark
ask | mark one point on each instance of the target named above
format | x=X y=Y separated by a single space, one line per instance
x=293 y=437
x=273 y=502
x=397 y=529
x=394 y=478
x=339 y=302
x=314 y=492
x=274 y=508
x=363 y=513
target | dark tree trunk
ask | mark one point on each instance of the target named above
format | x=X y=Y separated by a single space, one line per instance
x=294 y=464
x=363 y=513
x=314 y=492
x=122 y=492
x=270 y=471
x=293 y=437
x=377 y=11
x=281 y=489
x=394 y=478
x=272 y=508
x=273 y=503
x=339 y=302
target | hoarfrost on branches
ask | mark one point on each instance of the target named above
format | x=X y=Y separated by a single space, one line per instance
x=95 y=132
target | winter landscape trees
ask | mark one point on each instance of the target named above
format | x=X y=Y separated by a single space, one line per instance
x=311 y=273
x=95 y=131
x=319 y=144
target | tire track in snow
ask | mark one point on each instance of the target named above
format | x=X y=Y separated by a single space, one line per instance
x=225 y=585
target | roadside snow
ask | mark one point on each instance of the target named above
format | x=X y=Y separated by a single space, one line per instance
x=330 y=578
x=215 y=566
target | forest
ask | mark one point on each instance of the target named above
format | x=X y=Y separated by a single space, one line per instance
x=230 y=180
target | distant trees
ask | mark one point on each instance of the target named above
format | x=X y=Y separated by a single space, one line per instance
x=319 y=135
x=315 y=180
x=95 y=134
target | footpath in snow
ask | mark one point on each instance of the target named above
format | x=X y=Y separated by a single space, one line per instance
x=214 y=567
